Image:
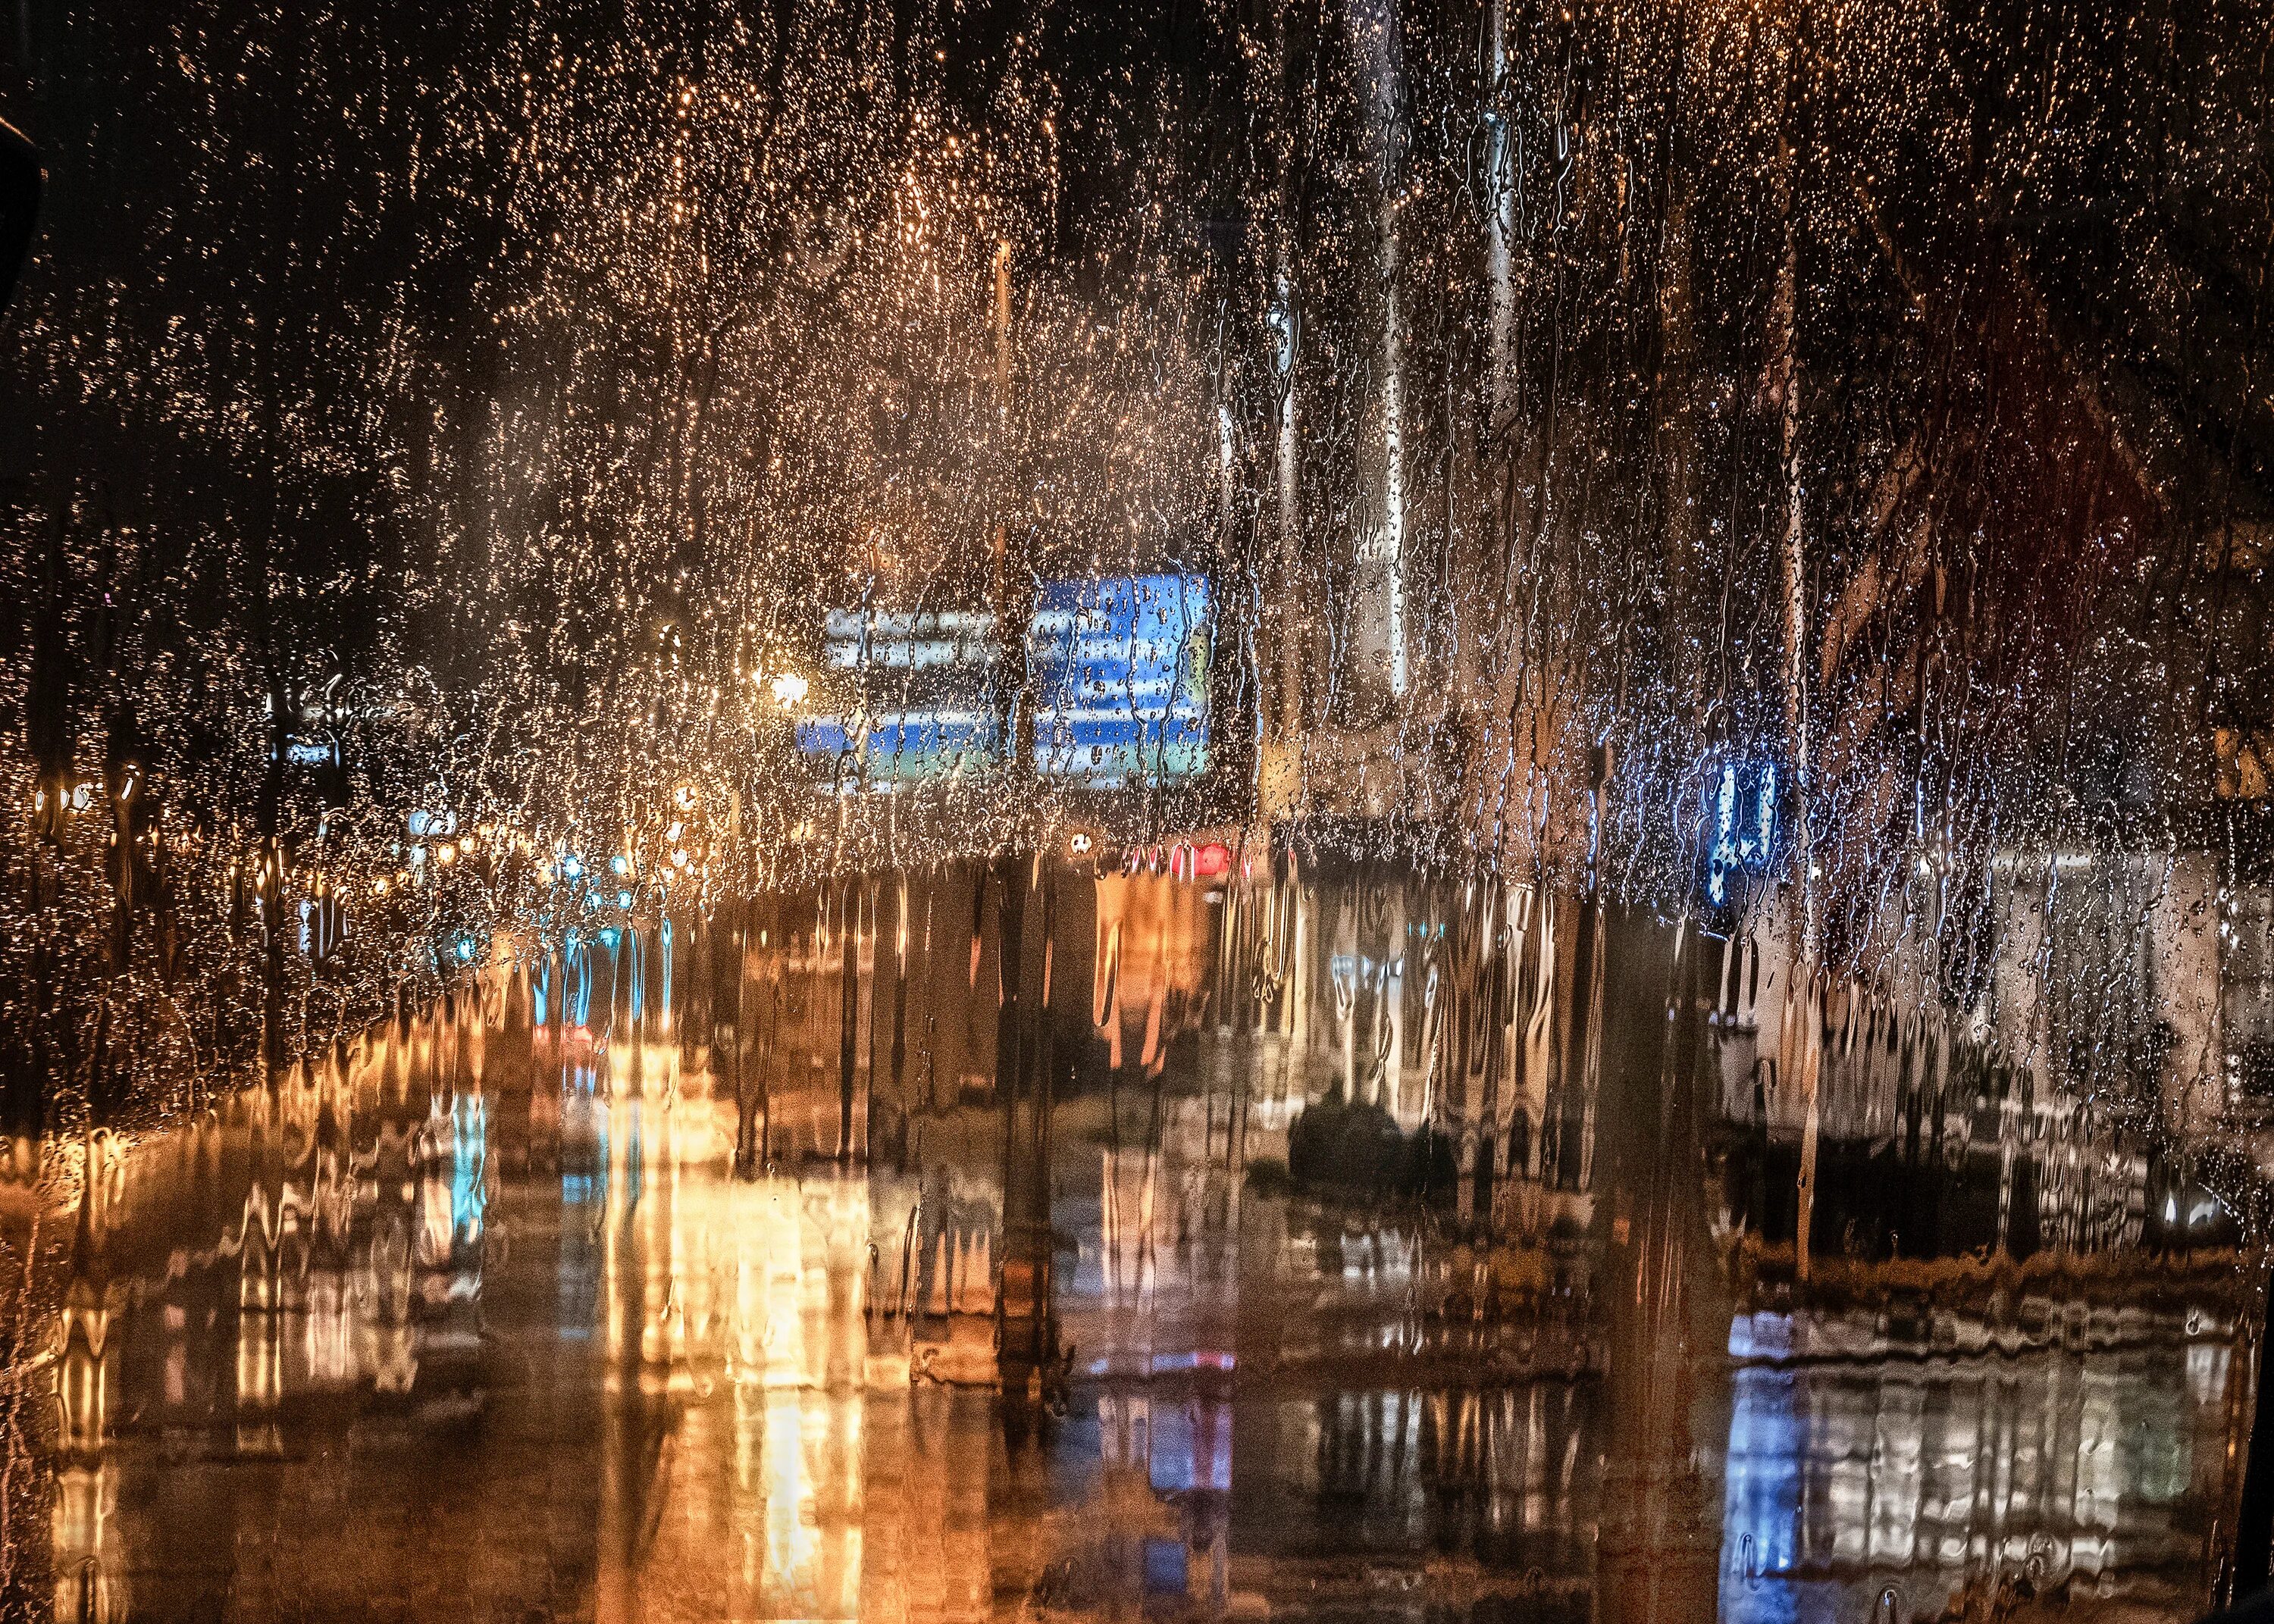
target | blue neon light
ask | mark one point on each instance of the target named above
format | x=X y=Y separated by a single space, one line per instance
x=1740 y=825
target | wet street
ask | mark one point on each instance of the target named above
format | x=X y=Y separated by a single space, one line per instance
x=1013 y=1240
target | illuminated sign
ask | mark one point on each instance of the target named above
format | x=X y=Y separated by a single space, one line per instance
x=1741 y=826
x=1118 y=670
x=922 y=704
x=1121 y=668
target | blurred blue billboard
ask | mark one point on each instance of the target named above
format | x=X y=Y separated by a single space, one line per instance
x=1118 y=670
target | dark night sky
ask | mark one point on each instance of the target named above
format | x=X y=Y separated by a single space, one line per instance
x=240 y=173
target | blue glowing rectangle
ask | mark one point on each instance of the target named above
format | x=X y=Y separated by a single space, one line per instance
x=1738 y=825
x=1117 y=669
x=1121 y=667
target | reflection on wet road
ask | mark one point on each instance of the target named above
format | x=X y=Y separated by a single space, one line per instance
x=1012 y=1241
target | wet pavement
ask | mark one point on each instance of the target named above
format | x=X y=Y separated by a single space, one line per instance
x=1347 y=1245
